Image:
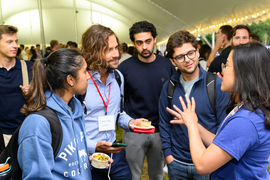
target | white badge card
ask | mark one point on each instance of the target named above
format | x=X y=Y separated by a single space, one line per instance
x=106 y=123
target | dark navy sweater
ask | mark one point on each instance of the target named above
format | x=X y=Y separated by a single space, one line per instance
x=11 y=98
x=143 y=84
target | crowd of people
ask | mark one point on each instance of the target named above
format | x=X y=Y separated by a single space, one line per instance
x=209 y=108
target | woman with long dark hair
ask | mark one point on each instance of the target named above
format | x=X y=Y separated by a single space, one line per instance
x=55 y=81
x=241 y=146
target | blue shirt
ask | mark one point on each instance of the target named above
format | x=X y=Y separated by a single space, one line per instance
x=245 y=137
x=11 y=97
x=95 y=108
x=35 y=153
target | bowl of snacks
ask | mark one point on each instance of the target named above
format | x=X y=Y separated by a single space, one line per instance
x=100 y=160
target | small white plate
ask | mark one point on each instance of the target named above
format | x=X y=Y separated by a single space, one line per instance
x=139 y=127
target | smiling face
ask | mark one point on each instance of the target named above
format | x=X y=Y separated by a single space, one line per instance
x=241 y=37
x=112 y=55
x=189 y=68
x=8 y=46
x=144 y=43
x=228 y=75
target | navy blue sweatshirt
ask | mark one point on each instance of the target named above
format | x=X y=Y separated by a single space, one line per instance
x=174 y=137
x=143 y=84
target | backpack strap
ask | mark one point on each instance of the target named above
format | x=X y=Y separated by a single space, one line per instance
x=12 y=148
x=56 y=128
x=118 y=80
x=211 y=88
x=170 y=91
x=24 y=73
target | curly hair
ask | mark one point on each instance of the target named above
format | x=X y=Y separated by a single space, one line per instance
x=252 y=79
x=142 y=26
x=177 y=40
x=95 y=45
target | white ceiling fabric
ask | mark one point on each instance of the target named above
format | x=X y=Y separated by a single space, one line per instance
x=197 y=16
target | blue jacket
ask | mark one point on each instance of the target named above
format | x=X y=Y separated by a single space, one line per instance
x=35 y=153
x=174 y=137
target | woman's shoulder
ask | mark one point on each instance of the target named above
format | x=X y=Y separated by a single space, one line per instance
x=35 y=125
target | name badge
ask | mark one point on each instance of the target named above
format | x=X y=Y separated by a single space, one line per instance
x=106 y=123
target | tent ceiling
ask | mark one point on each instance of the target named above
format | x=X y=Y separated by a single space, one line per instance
x=197 y=16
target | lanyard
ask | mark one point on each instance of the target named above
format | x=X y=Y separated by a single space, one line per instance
x=105 y=104
x=233 y=112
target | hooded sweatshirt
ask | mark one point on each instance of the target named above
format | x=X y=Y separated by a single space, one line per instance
x=35 y=153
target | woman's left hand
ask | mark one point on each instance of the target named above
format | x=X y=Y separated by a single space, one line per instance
x=186 y=117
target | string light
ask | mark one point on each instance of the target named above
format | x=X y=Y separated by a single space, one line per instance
x=224 y=23
x=231 y=20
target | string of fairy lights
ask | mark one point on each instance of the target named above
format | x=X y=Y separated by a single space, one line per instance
x=213 y=28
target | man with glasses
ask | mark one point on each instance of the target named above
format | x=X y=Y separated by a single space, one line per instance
x=190 y=79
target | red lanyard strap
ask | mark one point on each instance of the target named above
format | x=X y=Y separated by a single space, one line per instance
x=105 y=104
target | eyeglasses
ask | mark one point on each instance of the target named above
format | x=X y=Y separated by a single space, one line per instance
x=224 y=66
x=181 y=58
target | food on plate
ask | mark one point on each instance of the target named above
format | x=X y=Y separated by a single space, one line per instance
x=138 y=124
x=143 y=123
x=146 y=123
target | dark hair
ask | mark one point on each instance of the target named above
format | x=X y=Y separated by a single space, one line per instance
x=51 y=74
x=124 y=47
x=21 y=45
x=68 y=43
x=7 y=29
x=255 y=37
x=95 y=45
x=132 y=50
x=18 y=52
x=252 y=79
x=205 y=49
x=73 y=44
x=142 y=26
x=199 y=42
x=226 y=29
x=177 y=40
x=241 y=26
x=53 y=43
x=37 y=45
x=34 y=55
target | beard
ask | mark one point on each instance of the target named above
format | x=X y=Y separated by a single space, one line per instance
x=108 y=65
x=147 y=55
x=184 y=71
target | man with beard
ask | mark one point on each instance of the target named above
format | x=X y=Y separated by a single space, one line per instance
x=144 y=76
x=102 y=101
x=190 y=79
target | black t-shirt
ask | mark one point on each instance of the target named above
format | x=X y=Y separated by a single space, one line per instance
x=215 y=66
